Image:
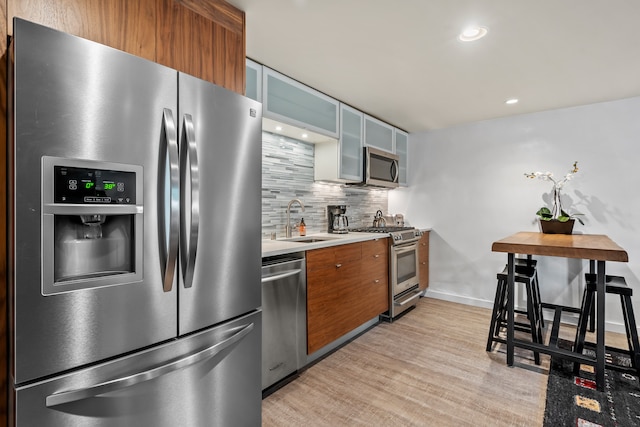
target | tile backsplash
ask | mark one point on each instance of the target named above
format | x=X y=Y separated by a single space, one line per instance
x=287 y=173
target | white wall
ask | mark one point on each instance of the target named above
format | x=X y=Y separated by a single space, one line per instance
x=467 y=183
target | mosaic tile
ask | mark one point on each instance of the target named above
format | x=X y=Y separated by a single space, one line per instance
x=287 y=173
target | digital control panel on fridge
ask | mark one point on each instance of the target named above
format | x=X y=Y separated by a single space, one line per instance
x=91 y=224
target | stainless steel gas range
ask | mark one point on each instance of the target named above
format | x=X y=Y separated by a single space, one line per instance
x=404 y=287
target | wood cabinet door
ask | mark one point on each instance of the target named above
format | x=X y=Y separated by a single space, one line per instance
x=331 y=274
x=423 y=261
x=122 y=24
x=204 y=39
x=373 y=294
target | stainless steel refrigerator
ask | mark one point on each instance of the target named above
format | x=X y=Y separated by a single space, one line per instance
x=134 y=253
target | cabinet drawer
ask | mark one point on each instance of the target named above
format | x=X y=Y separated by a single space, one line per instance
x=375 y=250
x=378 y=271
x=320 y=259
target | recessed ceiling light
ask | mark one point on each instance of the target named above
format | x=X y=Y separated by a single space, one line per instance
x=278 y=128
x=511 y=101
x=473 y=33
x=304 y=135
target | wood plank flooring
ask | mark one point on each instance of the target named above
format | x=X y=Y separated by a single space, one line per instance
x=429 y=368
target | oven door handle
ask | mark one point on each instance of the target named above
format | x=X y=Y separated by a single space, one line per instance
x=406 y=248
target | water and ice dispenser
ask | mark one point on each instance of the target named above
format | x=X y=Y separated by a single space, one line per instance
x=92 y=233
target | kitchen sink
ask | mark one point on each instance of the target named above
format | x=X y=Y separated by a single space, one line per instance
x=308 y=239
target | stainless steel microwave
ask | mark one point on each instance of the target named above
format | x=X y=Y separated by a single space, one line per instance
x=380 y=168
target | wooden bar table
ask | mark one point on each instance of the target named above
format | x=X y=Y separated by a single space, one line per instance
x=593 y=247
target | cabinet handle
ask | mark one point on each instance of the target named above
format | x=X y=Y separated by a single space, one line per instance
x=376 y=281
x=338 y=265
x=376 y=256
x=423 y=262
x=423 y=244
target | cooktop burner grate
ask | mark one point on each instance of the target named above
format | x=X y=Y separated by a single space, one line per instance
x=390 y=229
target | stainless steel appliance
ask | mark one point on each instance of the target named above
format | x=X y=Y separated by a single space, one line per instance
x=338 y=221
x=284 y=317
x=380 y=168
x=379 y=220
x=131 y=303
x=403 y=271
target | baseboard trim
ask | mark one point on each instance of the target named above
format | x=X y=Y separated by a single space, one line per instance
x=477 y=302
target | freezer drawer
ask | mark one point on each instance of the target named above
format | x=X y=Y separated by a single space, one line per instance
x=206 y=379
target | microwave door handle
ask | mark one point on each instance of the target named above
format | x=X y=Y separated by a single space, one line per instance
x=168 y=250
x=189 y=247
x=153 y=373
x=394 y=171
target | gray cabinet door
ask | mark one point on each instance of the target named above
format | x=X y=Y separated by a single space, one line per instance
x=288 y=101
x=351 y=143
x=254 y=80
x=402 y=150
x=378 y=134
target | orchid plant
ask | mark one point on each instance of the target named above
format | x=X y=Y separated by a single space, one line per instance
x=556 y=212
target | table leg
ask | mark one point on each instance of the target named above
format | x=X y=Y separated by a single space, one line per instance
x=510 y=306
x=600 y=344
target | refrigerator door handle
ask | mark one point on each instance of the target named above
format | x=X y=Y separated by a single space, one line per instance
x=131 y=380
x=169 y=252
x=188 y=150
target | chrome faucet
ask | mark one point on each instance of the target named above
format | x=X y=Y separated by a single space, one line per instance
x=287 y=228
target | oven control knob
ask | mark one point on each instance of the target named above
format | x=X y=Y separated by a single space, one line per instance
x=397 y=237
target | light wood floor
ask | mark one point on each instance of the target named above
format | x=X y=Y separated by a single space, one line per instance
x=429 y=368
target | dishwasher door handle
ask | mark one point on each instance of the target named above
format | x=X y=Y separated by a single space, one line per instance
x=281 y=276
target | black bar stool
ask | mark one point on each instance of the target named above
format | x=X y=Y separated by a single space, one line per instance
x=530 y=262
x=614 y=285
x=526 y=274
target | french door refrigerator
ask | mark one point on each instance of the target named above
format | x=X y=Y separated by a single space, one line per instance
x=134 y=241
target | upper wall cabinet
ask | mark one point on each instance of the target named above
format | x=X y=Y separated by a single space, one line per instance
x=341 y=160
x=402 y=150
x=203 y=38
x=288 y=101
x=125 y=25
x=351 y=143
x=378 y=134
x=254 y=81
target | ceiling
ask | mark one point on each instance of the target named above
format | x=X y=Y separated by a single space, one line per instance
x=401 y=60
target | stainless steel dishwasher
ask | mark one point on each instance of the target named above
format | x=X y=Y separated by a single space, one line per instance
x=284 y=317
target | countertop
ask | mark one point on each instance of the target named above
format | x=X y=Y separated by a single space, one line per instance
x=286 y=246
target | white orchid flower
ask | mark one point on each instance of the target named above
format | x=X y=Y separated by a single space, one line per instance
x=556 y=210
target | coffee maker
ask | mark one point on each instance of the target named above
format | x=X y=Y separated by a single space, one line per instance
x=338 y=221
